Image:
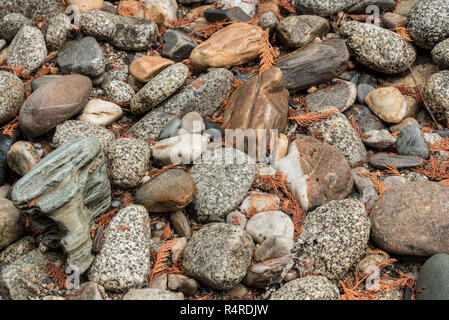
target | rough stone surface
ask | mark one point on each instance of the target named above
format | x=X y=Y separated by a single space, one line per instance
x=22 y=157
x=118 y=91
x=308 y=288
x=440 y=54
x=436 y=93
x=127 y=161
x=11 y=24
x=409 y=219
x=178 y=46
x=341 y=95
x=32 y=9
x=378 y=48
x=12 y=95
x=379 y=139
x=16 y=250
x=297 y=31
x=335 y=236
x=152 y=294
x=223 y=178
x=11 y=226
x=249 y=7
x=70 y=186
x=218 y=255
x=322 y=7
x=57 y=31
x=124 y=260
x=380 y=160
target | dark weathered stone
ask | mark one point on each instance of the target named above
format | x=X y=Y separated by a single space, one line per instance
x=231 y=14
x=366 y=120
x=380 y=160
x=6 y=141
x=71 y=187
x=178 y=45
x=315 y=64
x=433 y=280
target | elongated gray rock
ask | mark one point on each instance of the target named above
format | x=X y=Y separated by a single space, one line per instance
x=315 y=64
x=32 y=9
x=71 y=187
x=204 y=96
x=323 y=7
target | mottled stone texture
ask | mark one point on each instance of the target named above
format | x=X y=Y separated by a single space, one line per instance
x=435 y=93
x=308 y=288
x=323 y=7
x=412 y=219
x=33 y=9
x=219 y=255
x=71 y=187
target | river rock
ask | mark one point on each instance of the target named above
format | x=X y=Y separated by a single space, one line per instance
x=259 y=202
x=249 y=7
x=28 y=49
x=297 y=31
x=392 y=20
x=365 y=119
x=6 y=141
x=124 y=260
x=11 y=24
x=388 y=104
x=204 y=99
x=341 y=95
x=98 y=24
x=427 y=23
x=379 y=139
x=89 y=291
x=274 y=247
x=335 y=236
x=410 y=142
x=12 y=95
x=440 y=54
x=231 y=14
x=339 y=133
x=84 y=56
x=410 y=220
x=233 y=45
x=380 y=160
x=16 y=250
x=178 y=46
x=11 y=226
x=22 y=157
x=185 y=149
x=316 y=172
x=270 y=224
x=127 y=161
x=70 y=186
x=75 y=129
x=377 y=48
x=192 y=122
x=118 y=91
x=268 y=20
x=222 y=178
x=54 y=103
x=322 y=8
x=308 y=288
x=32 y=9
x=218 y=255
x=433 y=280
x=57 y=31
x=101 y=113
x=86 y=5
x=260 y=103
x=152 y=294
x=170 y=191
x=161 y=11
x=315 y=64
x=145 y=68
x=436 y=93
x=162 y=86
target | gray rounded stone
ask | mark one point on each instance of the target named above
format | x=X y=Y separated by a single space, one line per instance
x=268 y=20
x=297 y=31
x=435 y=93
x=218 y=255
x=308 y=288
x=410 y=142
x=427 y=22
x=119 y=91
x=270 y=224
x=433 y=280
x=12 y=95
x=11 y=24
x=362 y=91
x=171 y=127
x=159 y=88
x=178 y=45
x=98 y=24
x=28 y=49
x=323 y=8
x=341 y=95
x=335 y=236
x=57 y=31
x=440 y=54
x=377 y=48
x=127 y=161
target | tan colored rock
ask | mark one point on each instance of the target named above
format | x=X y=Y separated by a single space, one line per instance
x=282 y=148
x=403 y=124
x=260 y=103
x=260 y=202
x=100 y=112
x=22 y=157
x=86 y=5
x=146 y=67
x=236 y=44
x=388 y=104
x=160 y=11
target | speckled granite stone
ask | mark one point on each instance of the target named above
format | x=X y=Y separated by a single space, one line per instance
x=74 y=129
x=322 y=7
x=16 y=250
x=124 y=260
x=153 y=294
x=308 y=288
x=335 y=236
x=32 y=9
x=440 y=54
x=12 y=95
x=297 y=31
x=338 y=132
x=57 y=31
x=341 y=95
x=436 y=93
x=98 y=24
x=218 y=255
x=223 y=179
x=119 y=91
x=127 y=161
x=11 y=24
x=378 y=48
x=204 y=99
x=427 y=22
x=28 y=49
x=159 y=88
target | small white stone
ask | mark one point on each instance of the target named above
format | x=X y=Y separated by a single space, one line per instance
x=270 y=224
x=101 y=112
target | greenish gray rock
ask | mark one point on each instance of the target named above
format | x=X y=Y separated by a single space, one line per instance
x=334 y=236
x=377 y=48
x=308 y=288
x=204 y=98
x=28 y=49
x=222 y=178
x=12 y=95
x=440 y=54
x=171 y=127
x=433 y=280
x=76 y=129
x=427 y=22
x=71 y=187
x=218 y=255
x=159 y=88
x=11 y=24
x=124 y=260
